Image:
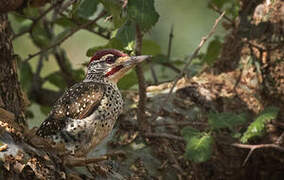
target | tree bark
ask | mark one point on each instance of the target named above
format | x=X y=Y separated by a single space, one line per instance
x=11 y=95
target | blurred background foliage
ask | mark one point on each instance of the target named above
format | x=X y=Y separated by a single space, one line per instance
x=188 y=20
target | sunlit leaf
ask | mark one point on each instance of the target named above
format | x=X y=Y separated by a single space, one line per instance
x=198 y=145
x=225 y=120
x=143 y=13
x=257 y=127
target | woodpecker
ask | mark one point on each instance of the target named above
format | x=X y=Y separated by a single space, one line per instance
x=86 y=113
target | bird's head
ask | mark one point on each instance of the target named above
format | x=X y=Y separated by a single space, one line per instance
x=112 y=64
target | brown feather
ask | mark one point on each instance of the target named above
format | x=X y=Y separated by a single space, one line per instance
x=78 y=102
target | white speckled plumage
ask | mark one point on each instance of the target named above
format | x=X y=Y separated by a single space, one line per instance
x=86 y=112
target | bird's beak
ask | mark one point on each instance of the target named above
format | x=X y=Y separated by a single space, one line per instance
x=132 y=60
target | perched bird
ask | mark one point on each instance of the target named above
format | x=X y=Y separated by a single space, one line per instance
x=86 y=112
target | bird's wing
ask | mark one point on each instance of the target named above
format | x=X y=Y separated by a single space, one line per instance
x=78 y=102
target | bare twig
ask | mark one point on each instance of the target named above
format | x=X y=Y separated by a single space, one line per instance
x=215 y=8
x=154 y=75
x=73 y=31
x=254 y=147
x=171 y=36
x=164 y=135
x=195 y=53
x=141 y=82
x=172 y=67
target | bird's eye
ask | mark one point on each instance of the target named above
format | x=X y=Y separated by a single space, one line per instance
x=110 y=59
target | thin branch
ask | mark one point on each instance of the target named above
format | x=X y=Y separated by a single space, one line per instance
x=73 y=31
x=62 y=61
x=172 y=67
x=105 y=36
x=215 y=8
x=195 y=53
x=154 y=75
x=165 y=135
x=141 y=82
x=171 y=36
x=254 y=147
x=35 y=21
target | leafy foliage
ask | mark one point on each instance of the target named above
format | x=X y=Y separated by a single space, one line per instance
x=213 y=51
x=26 y=75
x=257 y=127
x=143 y=13
x=57 y=80
x=225 y=120
x=198 y=145
x=230 y=6
x=87 y=8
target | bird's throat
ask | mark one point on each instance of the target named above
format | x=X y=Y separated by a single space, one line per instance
x=114 y=70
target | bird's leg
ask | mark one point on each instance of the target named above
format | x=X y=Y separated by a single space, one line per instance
x=83 y=161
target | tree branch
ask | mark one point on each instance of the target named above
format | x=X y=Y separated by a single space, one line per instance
x=195 y=53
x=35 y=21
x=141 y=82
x=73 y=31
x=254 y=147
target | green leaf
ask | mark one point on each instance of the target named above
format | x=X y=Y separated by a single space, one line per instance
x=198 y=145
x=257 y=127
x=188 y=132
x=31 y=12
x=40 y=36
x=57 y=80
x=213 y=51
x=65 y=22
x=225 y=120
x=126 y=36
x=129 y=80
x=114 y=7
x=143 y=13
x=87 y=8
x=26 y=75
x=150 y=47
x=45 y=109
x=78 y=74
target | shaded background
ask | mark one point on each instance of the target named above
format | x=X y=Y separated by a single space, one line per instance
x=190 y=20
